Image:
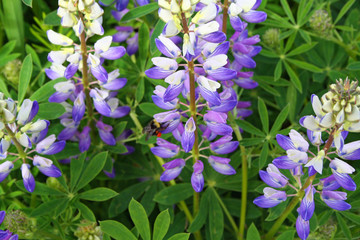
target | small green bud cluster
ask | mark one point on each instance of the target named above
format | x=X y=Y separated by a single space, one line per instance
x=271 y=38
x=11 y=72
x=17 y=222
x=88 y=231
x=320 y=21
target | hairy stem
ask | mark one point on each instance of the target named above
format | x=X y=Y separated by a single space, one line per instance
x=300 y=194
x=182 y=204
x=85 y=82
x=226 y=211
x=225 y=16
x=18 y=146
x=244 y=171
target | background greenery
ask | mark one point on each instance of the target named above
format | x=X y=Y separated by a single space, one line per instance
x=307 y=45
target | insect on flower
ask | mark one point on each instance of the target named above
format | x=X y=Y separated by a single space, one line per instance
x=154 y=128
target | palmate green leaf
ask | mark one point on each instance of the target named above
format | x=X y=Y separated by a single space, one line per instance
x=253 y=233
x=7 y=48
x=144 y=40
x=301 y=49
x=344 y=10
x=52 y=19
x=157 y=31
x=139 y=217
x=216 y=217
x=304 y=65
x=290 y=41
x=85 y=211
x=50 y=110
x=140 y=11
x=140 y=90
x=279 y=121
x=44 y=92
x=180 y=236
x=263 y=113
x=288 y=235
x=202 y=215
x=278 y=70
x=287 y=10
x=344 y=227
x=303 y=10
x=293 y=77
x=354 y=66
x=92 y=169
x=150 y=109
x=3 y=87
x=40 y=189
x=27 y=2
x=24 y=77
x=48 y=207
x=98 y=194
x=305 y=35
x=248 y=127
x=351 y=216
x=161 y=225
x=147 y=199
x=251 y=141
x=174 y=194
x=268 y=54
x=263 y=155
x=120 y=203
x=116 y=230
x=34 y=55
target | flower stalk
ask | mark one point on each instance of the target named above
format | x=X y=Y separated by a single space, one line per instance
x=300 y=193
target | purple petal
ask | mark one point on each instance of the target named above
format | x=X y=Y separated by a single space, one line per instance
x=197 y=178
x=264 y=202
x=99 y=73
x=78 y=110
x=221 y=165
x=163 y=152
x=302 y=228
x=284 y=162
x=114 y=53
x=173 y=169
x=285 y=142
x=70 y=70
x=222 y=73
x=158 y=73
x=253 y=16
x=115 y=84
x=120 y=112
x=307 y=205
x=237 y=24
x=344 y=180
x=54 y=148
x=84 y=139
x=215 y=37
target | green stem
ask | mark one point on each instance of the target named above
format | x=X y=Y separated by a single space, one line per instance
x=182 y=204
x=18 y=146
x=300 y=193
x=226 y=211
x=85 y=82
x=244 y=184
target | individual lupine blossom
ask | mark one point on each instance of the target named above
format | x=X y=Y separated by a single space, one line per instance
x=6 y=234
x=205 y=46
x=334 y=114
x=18 y=128
x=124 y=32
x=72 y=93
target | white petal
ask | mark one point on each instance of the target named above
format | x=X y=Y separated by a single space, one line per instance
x=206 y=14
x=59 y=39
x=246 y=5
x=207 y=28
x=298 y=140
x=209 y=84
x=103 y=44
x=342 y=167
x=165 y=63
x=215 y=62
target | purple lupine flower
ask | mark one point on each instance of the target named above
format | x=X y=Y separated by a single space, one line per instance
x=221 y=165
x=307 y=205
x=84 y=139
x=188 y=137
x=105 y=133
x=46 y=166
x=216 y=122
x=172 y=169
x=273 y=177
x=295 y=146
x=171 y=118
x=224 y=145
x=341 y=169
x=48 y=146
x=165 y=149
x=302 y=227
x=350 y=151
x=197 y=178
x=5 y=169
x=28 y=178
x=335 y=200
x=329 y=183
x=271 y=198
